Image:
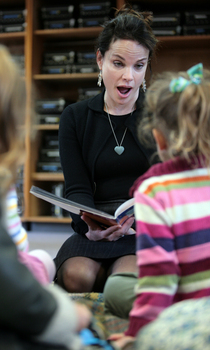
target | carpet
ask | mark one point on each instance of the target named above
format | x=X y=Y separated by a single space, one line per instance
x=106 y=324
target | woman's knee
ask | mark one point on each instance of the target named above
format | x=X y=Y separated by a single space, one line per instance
x=76 y=275
x=124 y=264
x=119 y=294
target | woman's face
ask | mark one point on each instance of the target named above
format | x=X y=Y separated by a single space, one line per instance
x=123 y=70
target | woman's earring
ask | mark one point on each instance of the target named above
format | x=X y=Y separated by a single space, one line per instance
x=144 y=86
x=99 y=79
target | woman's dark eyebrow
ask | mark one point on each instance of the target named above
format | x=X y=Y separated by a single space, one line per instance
x=120 y=57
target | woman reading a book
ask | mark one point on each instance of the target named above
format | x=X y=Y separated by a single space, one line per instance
x=98 y=151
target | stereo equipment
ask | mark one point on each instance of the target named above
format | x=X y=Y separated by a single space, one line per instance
x=20 y=190
x=86 y=57
x=56 y=69
x=9 y=28
x=12 y=16
x=61 y=12
x=60 y=24
x=49 y=167
x=85 y=93
x=167 y=31
x=91 y=22
x=49 y=155
x=58 y=190
x=51 y=141
x=49 y=119
x=20 y=61
x=94 y=9
x=48 y=106
x=166 y=20
x=84 y=68
x=196 y=30
x=197 y=18
x=58 y=58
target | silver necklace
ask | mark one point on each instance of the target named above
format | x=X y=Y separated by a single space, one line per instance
x=119 y=149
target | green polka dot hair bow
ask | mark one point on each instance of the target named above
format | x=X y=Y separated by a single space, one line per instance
x=195 y=75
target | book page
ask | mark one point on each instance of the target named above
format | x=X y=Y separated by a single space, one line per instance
x=125 y=211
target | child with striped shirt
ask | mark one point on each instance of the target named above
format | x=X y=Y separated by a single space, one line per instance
x=172 y=199
x=38 y=261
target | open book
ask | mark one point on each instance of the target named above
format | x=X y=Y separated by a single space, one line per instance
x=123 y=212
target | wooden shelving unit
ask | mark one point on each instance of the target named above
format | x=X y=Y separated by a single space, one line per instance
x=177 y=53
x=68 y=76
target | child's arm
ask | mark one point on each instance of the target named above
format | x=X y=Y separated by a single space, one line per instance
x=13 y=223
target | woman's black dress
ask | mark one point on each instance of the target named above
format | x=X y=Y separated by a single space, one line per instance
x=95 y=175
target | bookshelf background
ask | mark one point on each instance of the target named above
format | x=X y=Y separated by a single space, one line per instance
x=177 y=52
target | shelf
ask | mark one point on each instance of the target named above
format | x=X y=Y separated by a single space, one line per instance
x=13 y=35
x=184 y=42
x=72 y=77
x=47 y=219
x=73 y=33
x=47 y=127
x=47 y=176
x=12 y=38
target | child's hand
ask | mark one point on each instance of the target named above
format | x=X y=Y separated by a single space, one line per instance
x=120 y=340
x=84 y=316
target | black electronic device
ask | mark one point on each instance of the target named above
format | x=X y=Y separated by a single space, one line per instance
x=168 y=31
x=84 y=68
x=56 y=69
x=20 y=189
x=50 y=106
x=49 y=155
x=86 y=57
x=9 y=28
x=58 y=58
x=58 y=190
x=49 y=167
x=196 y=30
x=94 y=9
x=50 y=141
x=12 y=16
x=20 y=61
x=59 y=12
x=84 y=93
x=197 y=18
x=60 y=24
x=49 y=119
x=166 y=20
x=91 y=22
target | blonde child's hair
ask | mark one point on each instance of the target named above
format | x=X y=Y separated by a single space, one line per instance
x=12 y=119
x=183 y=118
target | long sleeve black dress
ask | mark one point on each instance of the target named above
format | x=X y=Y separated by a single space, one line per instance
x=95 y=175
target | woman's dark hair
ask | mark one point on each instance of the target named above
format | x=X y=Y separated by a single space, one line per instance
x=129 y=25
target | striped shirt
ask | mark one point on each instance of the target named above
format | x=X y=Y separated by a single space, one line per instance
x=172 y=211
x=13 y=222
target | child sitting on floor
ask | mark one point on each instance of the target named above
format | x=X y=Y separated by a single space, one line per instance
x=172 y=199
x=12 y=150
x=32 y=316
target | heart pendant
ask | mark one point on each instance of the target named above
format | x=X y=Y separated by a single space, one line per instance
x=119 y=149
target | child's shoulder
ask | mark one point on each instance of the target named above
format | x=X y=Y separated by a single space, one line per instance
x=160 y=169
x=155 y=170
